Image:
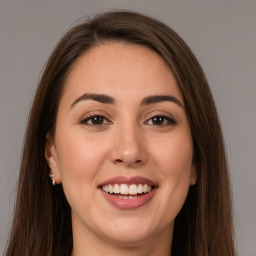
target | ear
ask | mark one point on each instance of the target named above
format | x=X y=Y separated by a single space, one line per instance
x=52 y=158
x=193 y=176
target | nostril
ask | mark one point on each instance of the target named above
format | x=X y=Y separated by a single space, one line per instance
x=118 y=161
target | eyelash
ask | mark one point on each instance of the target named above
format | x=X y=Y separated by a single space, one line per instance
x=166 y=120
x=90 y=118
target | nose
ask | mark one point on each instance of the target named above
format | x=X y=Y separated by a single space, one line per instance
x=129 y=148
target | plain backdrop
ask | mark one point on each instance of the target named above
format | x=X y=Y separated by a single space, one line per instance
x=222 y=34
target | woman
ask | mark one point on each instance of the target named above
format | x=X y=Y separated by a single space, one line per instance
x=124 y=124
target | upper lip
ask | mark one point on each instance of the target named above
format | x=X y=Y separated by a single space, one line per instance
x=128 y=181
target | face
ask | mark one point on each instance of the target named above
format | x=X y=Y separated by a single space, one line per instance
x=122 y=147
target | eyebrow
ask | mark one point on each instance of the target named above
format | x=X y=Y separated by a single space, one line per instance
x=105 y=99
x=96 y=97
x=160 y=98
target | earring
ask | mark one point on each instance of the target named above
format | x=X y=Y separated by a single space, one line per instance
x=52 y=177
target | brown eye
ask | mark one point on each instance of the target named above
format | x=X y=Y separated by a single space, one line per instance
x=160 y=120
x=95 y=120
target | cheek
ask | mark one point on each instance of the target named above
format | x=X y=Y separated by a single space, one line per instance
x=174 y=157
x=80 y=157
x=174 y=160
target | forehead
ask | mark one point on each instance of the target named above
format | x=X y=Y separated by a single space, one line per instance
x=118 y=68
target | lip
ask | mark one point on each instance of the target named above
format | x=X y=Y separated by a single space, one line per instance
x=128 y=204
x=128 y=180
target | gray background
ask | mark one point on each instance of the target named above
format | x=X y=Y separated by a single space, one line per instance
x=222 y=35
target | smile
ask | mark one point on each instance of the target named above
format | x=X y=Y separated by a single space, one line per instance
x=128 y=193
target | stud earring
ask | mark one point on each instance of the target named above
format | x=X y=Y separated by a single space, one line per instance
x=52 y=177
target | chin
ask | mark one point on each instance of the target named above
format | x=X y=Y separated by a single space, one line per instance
x=130 y=232
x=125 y=239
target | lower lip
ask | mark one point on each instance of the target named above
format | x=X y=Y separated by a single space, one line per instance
x=128 y=204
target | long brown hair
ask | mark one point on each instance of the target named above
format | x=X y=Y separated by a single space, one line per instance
x=42 y=217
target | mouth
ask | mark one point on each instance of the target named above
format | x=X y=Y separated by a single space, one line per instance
x=128 y=193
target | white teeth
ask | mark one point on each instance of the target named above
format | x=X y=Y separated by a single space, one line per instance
x=127 y=197
x=116 y=189
x=133 y=189
x=110 y=189
x=126 y=189
x=145 y=188
x=140 y=189
x=105 y=188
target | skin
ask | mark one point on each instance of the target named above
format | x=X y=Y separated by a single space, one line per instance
x=127 y=143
